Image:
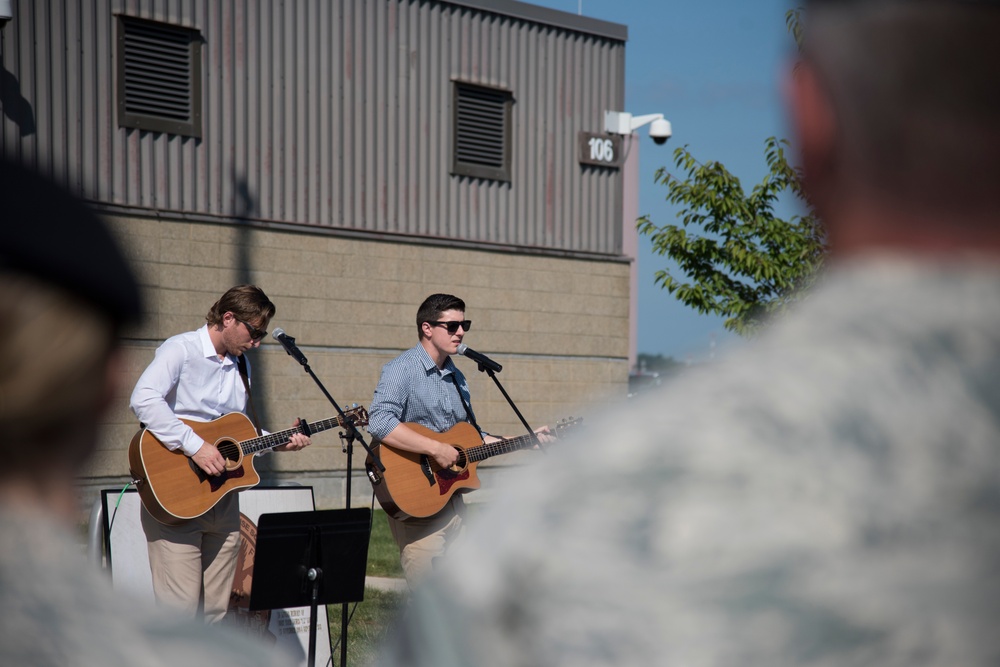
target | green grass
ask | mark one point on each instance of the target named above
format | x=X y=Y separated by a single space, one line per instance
x=383 y=554
x=371 y=619
x=367 y=628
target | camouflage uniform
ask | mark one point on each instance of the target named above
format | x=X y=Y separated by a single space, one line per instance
x=58 y=611
x=828 y=496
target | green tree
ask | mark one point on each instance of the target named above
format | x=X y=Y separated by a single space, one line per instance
x=738 y=258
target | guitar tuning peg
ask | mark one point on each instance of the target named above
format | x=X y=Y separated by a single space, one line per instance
x=354 y=405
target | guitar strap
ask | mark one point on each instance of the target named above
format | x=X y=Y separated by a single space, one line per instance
x=241 y=362
x=468 y=410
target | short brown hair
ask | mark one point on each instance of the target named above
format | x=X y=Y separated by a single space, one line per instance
x=434 y=305
x=246 y=302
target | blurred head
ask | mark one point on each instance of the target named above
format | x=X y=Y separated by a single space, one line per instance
x=896 y=101
x=66 y=292
x=56 y=375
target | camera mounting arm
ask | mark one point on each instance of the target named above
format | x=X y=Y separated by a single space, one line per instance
x=622 y=122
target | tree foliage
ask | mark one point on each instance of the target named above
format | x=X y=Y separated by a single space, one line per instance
x=738 y=258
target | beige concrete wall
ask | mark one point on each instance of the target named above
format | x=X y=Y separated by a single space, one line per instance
x=559 y=327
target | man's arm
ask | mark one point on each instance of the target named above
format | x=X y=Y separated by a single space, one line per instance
x=149 y=404
x=405 y=438
x=385 y=420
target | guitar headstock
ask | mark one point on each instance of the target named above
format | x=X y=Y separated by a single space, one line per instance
x=565 y=426
x=357 y=414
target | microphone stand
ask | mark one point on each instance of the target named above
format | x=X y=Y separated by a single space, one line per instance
x=531 y=431
x=349 y=436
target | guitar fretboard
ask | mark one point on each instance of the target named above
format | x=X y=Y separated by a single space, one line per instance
x=279 y=438
x=488 y=449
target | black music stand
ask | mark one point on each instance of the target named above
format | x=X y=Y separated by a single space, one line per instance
x=308 y=559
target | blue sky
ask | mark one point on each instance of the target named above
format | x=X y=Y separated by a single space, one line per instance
x=713 y=68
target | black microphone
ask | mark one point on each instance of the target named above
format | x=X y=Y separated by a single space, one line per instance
x=288 y=343
x=480 y=359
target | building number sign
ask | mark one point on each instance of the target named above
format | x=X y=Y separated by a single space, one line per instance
x=600 y=149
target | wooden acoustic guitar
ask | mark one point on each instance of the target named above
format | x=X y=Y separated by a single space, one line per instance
x=174 y=489
x=413 y=485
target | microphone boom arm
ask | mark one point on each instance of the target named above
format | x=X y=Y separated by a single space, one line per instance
x=491 y=368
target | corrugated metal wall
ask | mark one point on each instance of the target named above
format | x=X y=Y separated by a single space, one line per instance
x=328 y=113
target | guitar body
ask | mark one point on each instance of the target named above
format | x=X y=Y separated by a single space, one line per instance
x=171 y=485
x=412 y=485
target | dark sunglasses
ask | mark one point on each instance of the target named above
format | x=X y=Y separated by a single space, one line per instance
x=255 y=333
x=453 y=325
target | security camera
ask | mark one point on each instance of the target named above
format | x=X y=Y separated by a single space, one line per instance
x=6 y=12
x=660 y=130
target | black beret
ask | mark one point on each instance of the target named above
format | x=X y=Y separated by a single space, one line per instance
x=50 y=234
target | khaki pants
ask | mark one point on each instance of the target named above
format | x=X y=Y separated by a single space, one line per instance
x=196 y=560
x=422 y=540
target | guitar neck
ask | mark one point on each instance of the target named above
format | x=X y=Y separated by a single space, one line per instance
x=488 y=449
x=279 y=438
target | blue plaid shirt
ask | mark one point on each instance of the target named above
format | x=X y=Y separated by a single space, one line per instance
x=413 y=389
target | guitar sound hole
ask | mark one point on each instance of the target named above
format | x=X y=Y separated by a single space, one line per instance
x=458 y=467
x=229 y=450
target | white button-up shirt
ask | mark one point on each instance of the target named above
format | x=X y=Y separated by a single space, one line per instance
x=187 y=379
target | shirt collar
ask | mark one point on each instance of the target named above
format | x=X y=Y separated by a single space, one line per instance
x=208 y=348
x=430 y=366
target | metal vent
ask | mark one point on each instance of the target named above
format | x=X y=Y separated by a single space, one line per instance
x=159 y=77
x=481 y=132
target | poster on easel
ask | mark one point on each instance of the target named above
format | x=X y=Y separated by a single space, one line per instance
x=287 y=629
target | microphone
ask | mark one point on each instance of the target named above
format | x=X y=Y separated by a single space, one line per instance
x=288 y=343
x=479 y=358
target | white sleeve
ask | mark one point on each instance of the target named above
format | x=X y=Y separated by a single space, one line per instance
x=149 y=404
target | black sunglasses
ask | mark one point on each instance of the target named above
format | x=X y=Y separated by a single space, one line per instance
x=453 y=325
x=255 y=333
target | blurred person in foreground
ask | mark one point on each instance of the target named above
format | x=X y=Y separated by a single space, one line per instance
x=66 y=292
x=829 y=495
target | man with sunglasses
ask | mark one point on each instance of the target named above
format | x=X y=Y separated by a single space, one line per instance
x=199 y=375
x=423 y=386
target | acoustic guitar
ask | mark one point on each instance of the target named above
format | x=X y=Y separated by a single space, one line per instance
x=174 y=489
x=413 y=485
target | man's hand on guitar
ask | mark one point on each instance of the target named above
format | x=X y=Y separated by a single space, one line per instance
x=295 y=442
x=545 y=435
x=445 y=455
x=209 y=459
